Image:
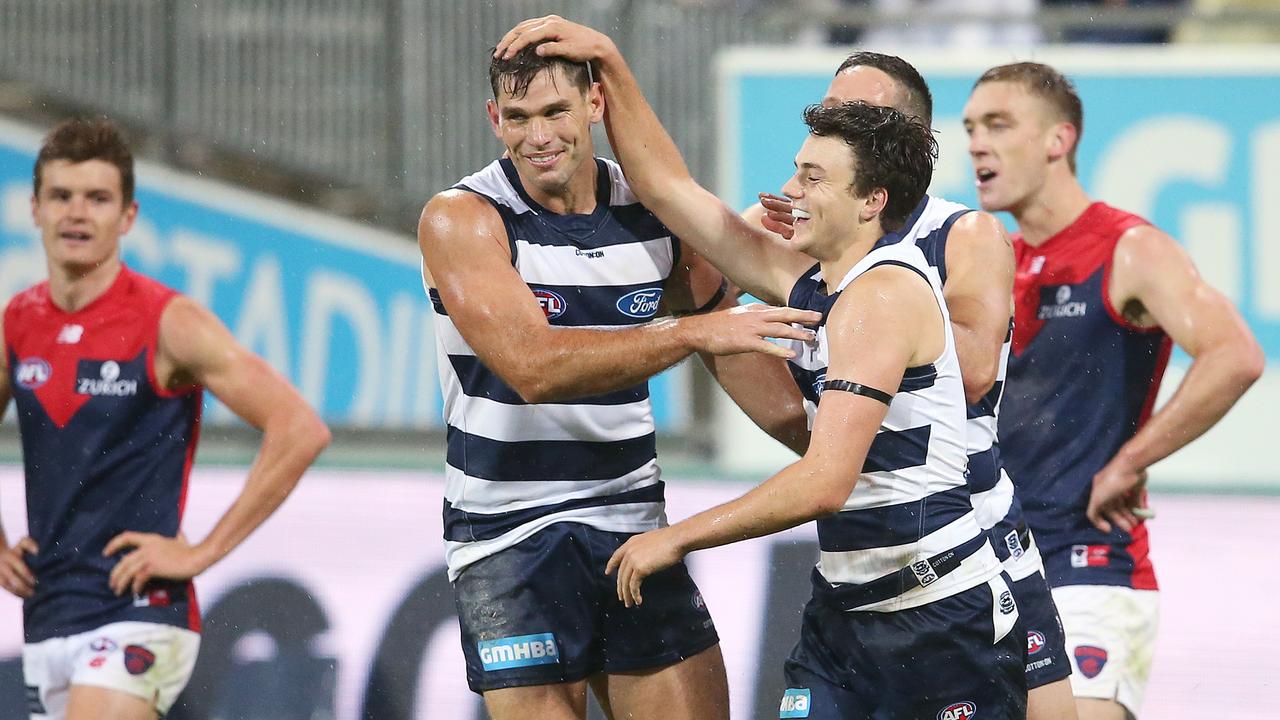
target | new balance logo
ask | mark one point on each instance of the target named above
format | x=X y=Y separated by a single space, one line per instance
x=70 y=334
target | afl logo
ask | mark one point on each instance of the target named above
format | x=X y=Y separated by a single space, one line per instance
x=32 y=373
x=959 y=711
x=1035 y=642
x=640 y=303
x=1064 y=294
x=552 y=304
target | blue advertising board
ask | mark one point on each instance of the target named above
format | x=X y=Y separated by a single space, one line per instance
x=335 y=306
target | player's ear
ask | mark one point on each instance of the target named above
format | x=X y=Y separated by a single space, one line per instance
x=595 y=101
x=877 y=200
x=491 y=106
x=1062 y=138
x=126 y=219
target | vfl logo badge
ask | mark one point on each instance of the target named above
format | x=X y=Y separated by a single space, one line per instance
x=1035 y=641
x=1090 y=660
x=553 y=304
x=138 y=659
x=641 y=304
x=959 y=711
x=102 y=645
x=795 y=703
x=108 y=382
x=32 y=373
x=519 y=651
x=924 y=572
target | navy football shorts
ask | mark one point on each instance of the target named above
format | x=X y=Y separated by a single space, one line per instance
x=939 y=660
x=1038 y=620
x=543 y=612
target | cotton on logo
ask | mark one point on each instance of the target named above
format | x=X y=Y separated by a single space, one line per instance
x=959 y=711
x=32 y=373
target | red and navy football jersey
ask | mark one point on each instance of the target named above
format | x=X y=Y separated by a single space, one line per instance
x=105 y=449
x=1081 y=381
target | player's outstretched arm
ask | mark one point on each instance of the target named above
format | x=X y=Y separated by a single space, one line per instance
x=980 y=269
x=195 y=348
x=1154 y=282
x=875 y=332
x=468 y=261
x=761 y=385
x=753 y=259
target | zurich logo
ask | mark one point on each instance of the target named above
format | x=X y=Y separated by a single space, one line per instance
x=1064 y=294
x=32 y=373
x=640 y=303
x=958 y=711
x=552 y=304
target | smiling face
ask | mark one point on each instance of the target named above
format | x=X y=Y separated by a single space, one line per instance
x=81 y=212
x=1014 y=140
x=826 y=210
x=547 y=131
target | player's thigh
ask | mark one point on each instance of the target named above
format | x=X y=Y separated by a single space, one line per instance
x=559 y=701
x=46 y=672
x=90 y=702
x=1047 y=659
x=1095 y=709
x=691 y=689
x=1052 y=701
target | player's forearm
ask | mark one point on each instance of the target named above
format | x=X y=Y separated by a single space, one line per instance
x=765 y=391
x=801 y=492
x=291 y=441
x=1214 y=382
x=979 y=359
x=574 y=363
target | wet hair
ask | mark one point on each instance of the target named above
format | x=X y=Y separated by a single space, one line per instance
x=1050 y=86
x=890 y=151
x=79 y=140
x=514 y=74
x=917 y=100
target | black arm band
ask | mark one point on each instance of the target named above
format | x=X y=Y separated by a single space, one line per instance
x=858 y=389
x=709 y=305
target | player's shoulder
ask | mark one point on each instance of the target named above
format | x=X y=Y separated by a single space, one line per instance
x=147 y=290
x=24 y=302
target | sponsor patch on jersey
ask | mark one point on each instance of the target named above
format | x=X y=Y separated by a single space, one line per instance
x=1090 y=556
x=795 y=703
x=641 y=304
x=959 y=711
x=1090 y=659
x=101 y=378
x=552 y=303
x=70 y=334
x=518 y=651
x=1007 y=605
x=924 y=572
x=138 y=659
x=1056 y=302
x=32 y=373
x=1035 y=641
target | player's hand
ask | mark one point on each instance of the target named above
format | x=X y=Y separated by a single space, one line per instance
x=744 y=329
x=639 y=557
x=1118 y=489
x=15 y=576
x=153 y=556
x=777 y=216
x=558 y=38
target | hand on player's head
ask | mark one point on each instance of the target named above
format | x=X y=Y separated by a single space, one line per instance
x=554 y=36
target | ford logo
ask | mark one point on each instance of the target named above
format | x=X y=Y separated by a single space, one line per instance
x=640 y=303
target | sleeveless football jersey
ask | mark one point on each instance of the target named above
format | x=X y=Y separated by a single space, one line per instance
x=105 y=450
x=1082 y=380
x=513 y=467
x=910 y=512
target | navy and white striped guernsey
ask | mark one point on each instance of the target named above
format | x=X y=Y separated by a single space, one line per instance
x=512 y=467
x=999 y=511
x=911 y=502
